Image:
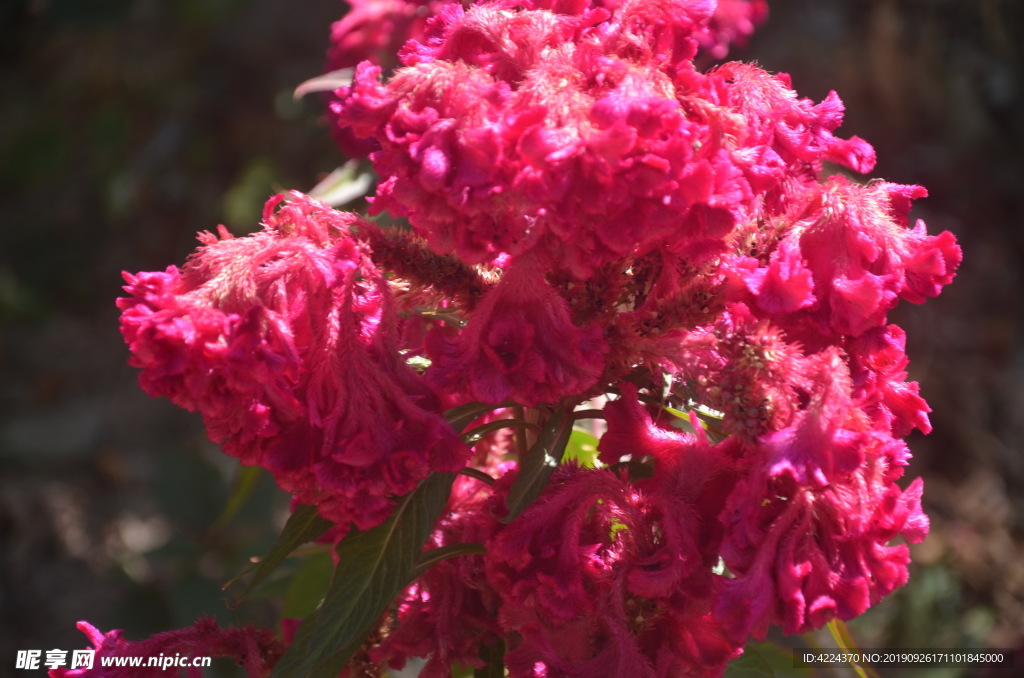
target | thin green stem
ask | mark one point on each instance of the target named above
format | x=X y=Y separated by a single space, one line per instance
x=475 y=473
x=470 y=437
x=847 y=645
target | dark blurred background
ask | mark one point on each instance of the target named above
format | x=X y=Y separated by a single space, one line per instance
x=128 y=125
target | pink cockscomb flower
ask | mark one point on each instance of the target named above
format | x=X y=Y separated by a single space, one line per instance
x=285 y=342
x=863 y=255
x=583 y=134
x=254 y=649
x=808 y=529
x=744 y=367
x=600 y=578
x=878 y=368
x=533 y=130
x=374 y=31
x=520 y=343
x=804 y=556
x=786 y=138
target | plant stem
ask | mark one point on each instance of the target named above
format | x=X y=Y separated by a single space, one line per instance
x=846 y=644
x=522 y=446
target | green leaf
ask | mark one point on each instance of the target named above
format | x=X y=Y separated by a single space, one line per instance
x=541 y=461
x=750 y=664
x=275 y=589
x=330 y=668
x=711 y=426
x=373 y=568
x=460 y=417
x=766 y=659
x=245 y=483
x=582 y=447
x=434 y=556
x=308 y=587
x=346 y=183
x=304 y=525
x=495 y=657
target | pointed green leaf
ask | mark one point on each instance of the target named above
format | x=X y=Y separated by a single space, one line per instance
x=681 y=420
x=766 y=660
x=329 y=668
x=780 y=659
x=304 y=525
x=541 y=461
x=685 y=422
x=460 y=417
x=245 y=483
x=308 y=587
x=434 y=556
x=374 y=567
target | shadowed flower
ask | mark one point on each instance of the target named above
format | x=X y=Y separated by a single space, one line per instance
x=254 y=649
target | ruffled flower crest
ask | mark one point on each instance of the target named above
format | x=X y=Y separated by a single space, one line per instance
x=286 y=343
x=863 y=256
x=575 y=572
x=609 y=163
x=805 y=556
x=255 y=649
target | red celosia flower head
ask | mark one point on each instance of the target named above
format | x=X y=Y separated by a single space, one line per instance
x=558 y=133
x=864 y=257
x=285 y=342
x=582 y=134
x=803 y=557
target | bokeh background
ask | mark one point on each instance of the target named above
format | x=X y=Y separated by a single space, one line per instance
x=128 y=125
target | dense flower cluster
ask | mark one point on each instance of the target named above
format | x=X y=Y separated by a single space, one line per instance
x=590 y=216
x=286 y=342
x=603 y=576
x=376 y=31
